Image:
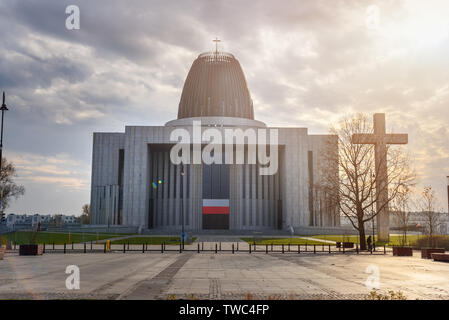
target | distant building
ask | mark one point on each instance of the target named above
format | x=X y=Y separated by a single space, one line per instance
x=66 y=220
x=43 y=219
x=14 y=221
x=418 y=220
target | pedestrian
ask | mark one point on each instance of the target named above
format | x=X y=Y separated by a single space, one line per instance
x=369 y=242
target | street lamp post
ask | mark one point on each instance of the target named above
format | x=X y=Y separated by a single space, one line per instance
x=3 y=108
x=182 y=205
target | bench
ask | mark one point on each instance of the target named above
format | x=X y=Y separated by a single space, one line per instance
x=440 y=257
x=30 y=250
x=345 y=244
x=426 y=252
x=402 y=251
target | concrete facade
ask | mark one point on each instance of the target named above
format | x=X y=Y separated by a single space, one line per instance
x=291 y=185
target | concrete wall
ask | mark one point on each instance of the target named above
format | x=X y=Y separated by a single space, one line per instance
x=104 y=180
x=249 y=212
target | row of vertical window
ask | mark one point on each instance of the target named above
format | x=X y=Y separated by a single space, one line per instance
x=165 y=176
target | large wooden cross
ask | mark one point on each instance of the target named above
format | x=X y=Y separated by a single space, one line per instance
x=380 y=139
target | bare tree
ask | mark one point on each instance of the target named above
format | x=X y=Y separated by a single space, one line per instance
x=400 y=208
x=85 y=216
x=8 y=188
x=353 y=189
x=432 y=216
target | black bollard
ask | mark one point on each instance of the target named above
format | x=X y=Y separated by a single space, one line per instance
x=282 y=248
x=91 y=246
x=143 y=248
x=237 y=247
x=289 y=247
x=215 y=248
x=104 y=248
x=266 y=248
x=53 y=245
x=202 y=246
x=385 y=250
x=180 y=247
x=198 y=248
x=249 y=248
x=329 y=248
x=299 y=248
x=232 y=248
x=124 y=248
x=162 y=248
x=43 y=251
x=357 y=248
x=85 y=247
x=314 y=248
x=64 y=247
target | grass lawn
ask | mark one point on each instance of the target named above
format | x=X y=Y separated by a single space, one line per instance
x=279 y=241
x=23 y=237
x=395 y=240
x=151 y=240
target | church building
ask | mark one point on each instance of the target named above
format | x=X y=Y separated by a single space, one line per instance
x=135 y=182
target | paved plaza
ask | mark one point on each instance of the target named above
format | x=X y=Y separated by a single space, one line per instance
x=152 y=275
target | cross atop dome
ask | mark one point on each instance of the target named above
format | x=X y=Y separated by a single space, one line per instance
x=216 y=40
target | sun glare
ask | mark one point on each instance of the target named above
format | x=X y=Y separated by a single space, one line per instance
x=423 y=25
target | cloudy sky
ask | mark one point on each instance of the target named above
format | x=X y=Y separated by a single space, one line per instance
x=307 y=64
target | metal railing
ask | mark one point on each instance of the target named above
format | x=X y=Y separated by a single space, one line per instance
x=199 y=247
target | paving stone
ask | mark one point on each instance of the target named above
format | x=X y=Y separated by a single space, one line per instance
x=223 y=275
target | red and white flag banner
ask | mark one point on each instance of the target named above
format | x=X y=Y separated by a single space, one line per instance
x=215 y=206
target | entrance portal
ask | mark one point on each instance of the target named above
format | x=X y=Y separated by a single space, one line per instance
x=215 y=196
x=215 y=214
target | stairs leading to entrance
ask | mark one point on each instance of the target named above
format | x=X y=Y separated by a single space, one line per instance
x=219 y=233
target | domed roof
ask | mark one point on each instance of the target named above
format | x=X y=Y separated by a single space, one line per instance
x=215 y=87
